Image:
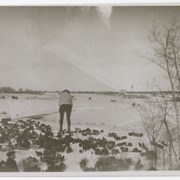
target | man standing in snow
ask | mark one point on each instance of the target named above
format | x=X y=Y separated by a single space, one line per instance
x=65 y=106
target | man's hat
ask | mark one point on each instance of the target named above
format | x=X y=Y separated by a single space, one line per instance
x=10 y=153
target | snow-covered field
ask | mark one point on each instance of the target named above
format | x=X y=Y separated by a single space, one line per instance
x=99 y=113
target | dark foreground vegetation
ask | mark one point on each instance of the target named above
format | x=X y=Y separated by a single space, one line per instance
x=52 y=151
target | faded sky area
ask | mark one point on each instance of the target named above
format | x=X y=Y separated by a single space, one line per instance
x=79 y=48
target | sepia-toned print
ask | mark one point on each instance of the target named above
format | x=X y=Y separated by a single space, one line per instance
x=89 y=89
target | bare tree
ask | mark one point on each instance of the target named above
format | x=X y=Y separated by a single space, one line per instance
x=152 y=124
x=166 y=55
x=165 y=111
x=157 y=124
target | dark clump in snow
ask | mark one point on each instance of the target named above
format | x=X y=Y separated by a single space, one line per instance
x=31 y=164
x=50 y=153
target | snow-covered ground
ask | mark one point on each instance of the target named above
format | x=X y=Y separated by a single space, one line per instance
x=98 y=113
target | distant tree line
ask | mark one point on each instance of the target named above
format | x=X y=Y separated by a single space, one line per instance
x=21 y=90
x=7 y=90
x=96 y=92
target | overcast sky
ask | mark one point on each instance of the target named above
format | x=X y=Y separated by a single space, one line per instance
x=79 y=48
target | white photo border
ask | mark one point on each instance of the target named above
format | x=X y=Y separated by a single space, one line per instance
x=91 y=3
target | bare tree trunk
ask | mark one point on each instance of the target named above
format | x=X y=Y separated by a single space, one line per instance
x=171 y=146
x=174 y=98
x=164 y=160
x=175 y=104
x=170 y=143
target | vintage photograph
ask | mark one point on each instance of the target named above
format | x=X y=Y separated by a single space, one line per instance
x=89 y=89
